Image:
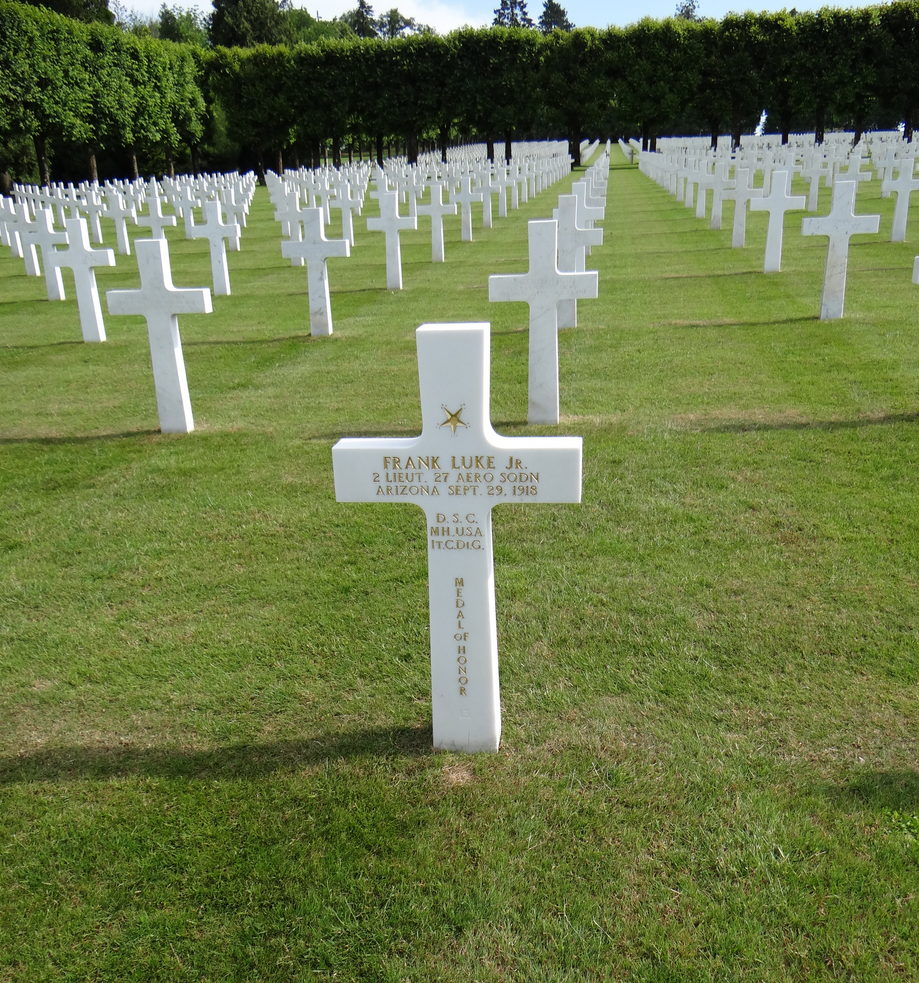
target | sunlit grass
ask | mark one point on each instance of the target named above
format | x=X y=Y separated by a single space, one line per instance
x=215 y=735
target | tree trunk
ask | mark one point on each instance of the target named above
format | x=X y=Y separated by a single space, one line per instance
x=574 y=144
x=713 y=129
x=443 y=138
x=336 y=151
x=132 y=163
x=908 y=122
x=325 y=154
x=280 y=163
x=735 y=122
x=411 y=148
x=379 y=143
x=170 y=167
x=6 y=183
x=490 y=146
x=786 y=126
x=315 y=154
x=195 y=160
x=260 y=167
x=819 y=124
x=41 y=155
x=645 y=133
x=652 y=145
x=508 y=147
x=91 y=161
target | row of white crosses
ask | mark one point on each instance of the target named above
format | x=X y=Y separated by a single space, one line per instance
x=345 y=189
x=776 y=199
x=158 y=300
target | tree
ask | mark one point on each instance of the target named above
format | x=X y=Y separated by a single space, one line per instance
x=304 y=28
x=247 y=23
x=361 y=20
x=183 y=26
x=554 y=16
x=512 y=13
x=393 y=25
x=90 y=11
x=899 y=82
x=687 y=10
x=572 y=65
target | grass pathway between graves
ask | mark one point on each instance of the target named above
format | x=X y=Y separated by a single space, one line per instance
x=215 y=755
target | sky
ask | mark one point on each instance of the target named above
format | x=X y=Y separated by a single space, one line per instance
x=446 y=15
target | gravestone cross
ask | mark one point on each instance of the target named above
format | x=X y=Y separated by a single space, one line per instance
x=82 y=259
x=839 y=225
x=573 y=243
x=437 y=209
x=316 y=249
x=160 y=303
x=465 y=197
x=155 y=220
x=392 y=223
x=741 y=193
x=777 y=203
x=44 y=236
x=542 y=287
x=457 y=471
x=216 y=233
x=348 y=205
x=902 y=186
x=119 y=211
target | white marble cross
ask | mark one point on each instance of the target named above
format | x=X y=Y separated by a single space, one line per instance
x=465 y=197
x=542 y=287
x=82 y=259
x=778 y=202
x=902 y=186
x=392 y=223
x=155 y=220
x=741 y=193
x=349 y=206
x=44 y=236
x=437 y=209
x=839 y=225
x=119 y=211
x=573 y=243
x=316 y=249
x=457 y=470
x=720 y=184
x=160 y=303
x=216 y=234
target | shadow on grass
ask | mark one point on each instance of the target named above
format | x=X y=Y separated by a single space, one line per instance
x=748 y=426
x=715 y=323
x=89 y=439
x=752 y=425
x=879 y=789
x=67 y=764
x=50 y=344
x=255 y=341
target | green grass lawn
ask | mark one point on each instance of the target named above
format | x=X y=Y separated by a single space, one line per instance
x=215 y=742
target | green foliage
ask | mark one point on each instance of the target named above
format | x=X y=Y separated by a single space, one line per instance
x=89 y=11
x=554 y=17
x=247 y=23
x=361 y=20
x=184 y=25
x=512 y=13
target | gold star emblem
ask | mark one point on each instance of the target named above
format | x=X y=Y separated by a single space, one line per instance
x=453 y=419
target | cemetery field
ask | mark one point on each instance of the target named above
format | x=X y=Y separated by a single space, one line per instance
x=215 y=731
